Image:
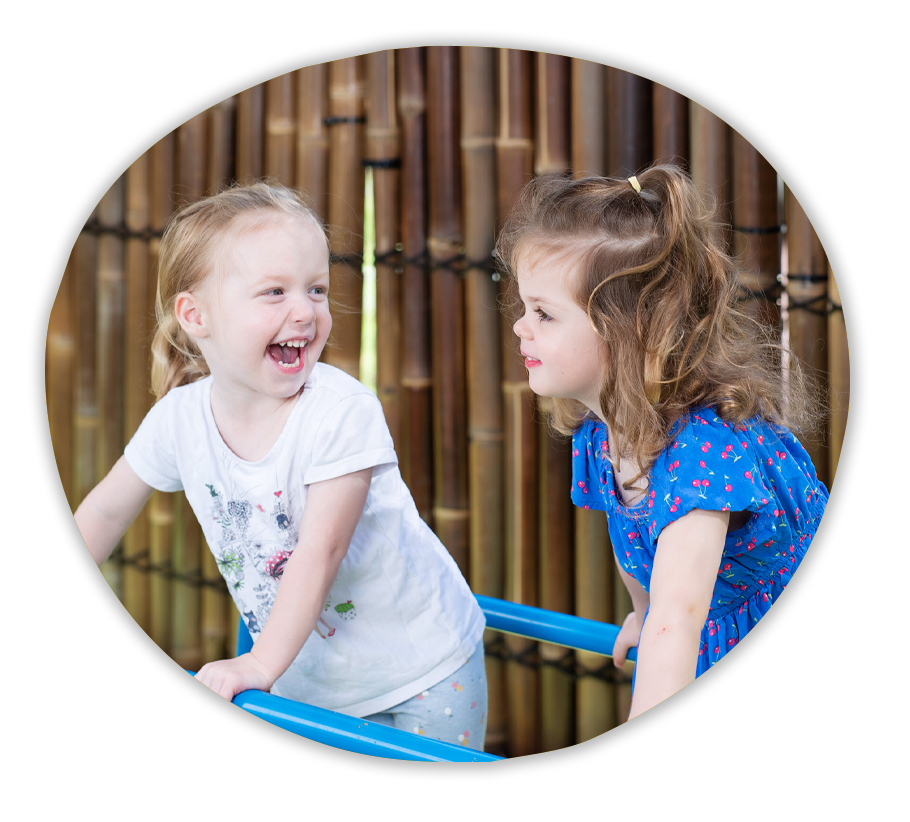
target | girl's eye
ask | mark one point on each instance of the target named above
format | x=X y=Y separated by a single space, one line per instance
x=274 y=292
x=320 y=290
x=544 y=317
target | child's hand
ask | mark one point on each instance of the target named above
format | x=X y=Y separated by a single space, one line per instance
x=228 y=677
x=627 y=638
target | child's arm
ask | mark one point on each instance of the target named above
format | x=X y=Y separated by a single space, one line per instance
x=631 y=626
x=688 y=555
x=331 y=513
x=110 y=508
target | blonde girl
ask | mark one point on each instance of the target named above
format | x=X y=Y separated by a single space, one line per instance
x=673 y=397
x=352 y=602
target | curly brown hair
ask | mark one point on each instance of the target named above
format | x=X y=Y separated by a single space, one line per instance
x=663 y=297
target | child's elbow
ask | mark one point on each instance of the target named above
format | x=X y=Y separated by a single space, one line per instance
x=678 y=618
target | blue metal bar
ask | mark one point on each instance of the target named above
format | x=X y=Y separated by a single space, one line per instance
x=360 y=736
x=550 y=626
x=352 y=734
x=525 y=620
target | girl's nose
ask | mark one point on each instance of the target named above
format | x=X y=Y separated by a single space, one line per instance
x=303 y=311
x=520 y=328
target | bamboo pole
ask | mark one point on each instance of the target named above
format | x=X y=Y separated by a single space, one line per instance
x=514 y=158
x=312 y=135
x=186 y=562
x=450 y=481
x=483 y=355
x=595 y=711
x=671 y=126
x=416 y=456
x=839 y=374
x=250 y=127
x=221 y=131
x=588 y=129
x=806 y=283
x=594 y=571
x=280 y=129
x=191 y=156
x=109 y=371
x=629 y=122
x=346 y=136
x=556 y=559
x=710 y=139
x=552 y=142
x=163 y=163
x=138 y=329
x=85 y=395
x=59 y=361
x=756 y=225
x=552 y=156
x=384 y=157
x=186 y=644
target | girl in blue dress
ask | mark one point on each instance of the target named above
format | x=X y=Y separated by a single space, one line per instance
x=678 y=406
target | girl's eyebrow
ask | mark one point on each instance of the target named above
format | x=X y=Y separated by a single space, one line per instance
x=284 y=275
x=542 y=301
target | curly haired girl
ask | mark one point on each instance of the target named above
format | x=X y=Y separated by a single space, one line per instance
x=675 y=400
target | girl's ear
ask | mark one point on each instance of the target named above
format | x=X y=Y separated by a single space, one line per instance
x=189 y=313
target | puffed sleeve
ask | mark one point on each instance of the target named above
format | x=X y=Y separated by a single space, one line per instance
x=587 y=471
x=351 y=436
x=713 y=466
x=151 y=452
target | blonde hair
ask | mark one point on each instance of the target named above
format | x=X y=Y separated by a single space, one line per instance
x=663 y=297
x=186 y=257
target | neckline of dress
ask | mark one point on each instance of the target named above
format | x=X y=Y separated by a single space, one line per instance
x=635 y=508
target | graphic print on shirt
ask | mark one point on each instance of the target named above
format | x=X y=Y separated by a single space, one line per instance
x=227 y=551
x=345 y=610
x=329 y=628
x=253 y=540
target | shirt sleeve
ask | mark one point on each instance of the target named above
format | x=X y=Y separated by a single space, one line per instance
x=587 y=477
x=352 y=435
x=712 y=466
x=151 y=452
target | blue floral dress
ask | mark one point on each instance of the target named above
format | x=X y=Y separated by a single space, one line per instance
x=712 y=465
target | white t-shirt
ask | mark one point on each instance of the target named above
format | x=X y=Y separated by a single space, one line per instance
x=400 y=617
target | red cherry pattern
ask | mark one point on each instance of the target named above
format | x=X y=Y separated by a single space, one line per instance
x=752 y=467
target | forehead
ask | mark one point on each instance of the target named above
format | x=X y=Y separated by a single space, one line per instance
x=266 y=236
x=547 y=269
x=256 y=223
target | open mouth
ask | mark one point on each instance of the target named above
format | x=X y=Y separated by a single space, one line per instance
x=287 y=354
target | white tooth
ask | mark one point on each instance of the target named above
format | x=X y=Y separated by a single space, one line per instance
x=290 y=364
x=282 y=344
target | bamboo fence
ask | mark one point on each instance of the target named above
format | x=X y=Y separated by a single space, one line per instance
x=449 y=136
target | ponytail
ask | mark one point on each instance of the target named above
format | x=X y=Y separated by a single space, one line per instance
x=176 y=360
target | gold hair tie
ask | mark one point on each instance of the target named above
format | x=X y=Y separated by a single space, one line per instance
x=633 y=181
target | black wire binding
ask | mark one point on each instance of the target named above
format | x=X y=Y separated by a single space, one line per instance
x=771 y=229
x=95 y=227
x=140 y=561
x=337 y=121
x=530 y=658
x=392 y=162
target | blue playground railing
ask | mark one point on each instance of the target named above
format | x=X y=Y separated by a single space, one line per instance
x=360 y=736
